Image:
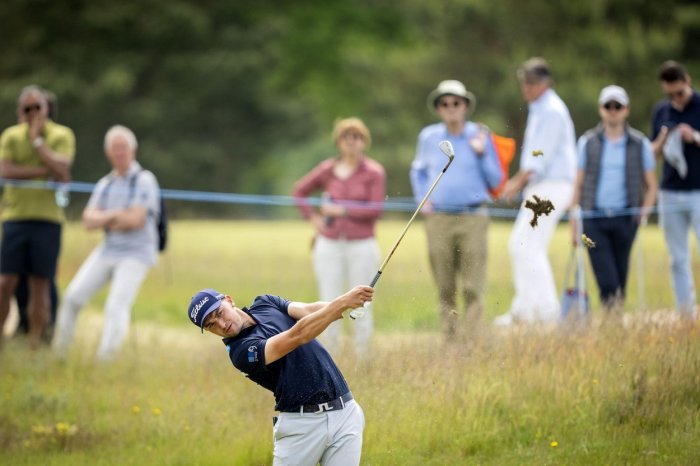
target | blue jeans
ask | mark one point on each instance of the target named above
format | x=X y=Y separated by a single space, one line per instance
x=680 y=210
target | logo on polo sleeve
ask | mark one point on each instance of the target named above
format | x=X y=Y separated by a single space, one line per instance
x=252 y=354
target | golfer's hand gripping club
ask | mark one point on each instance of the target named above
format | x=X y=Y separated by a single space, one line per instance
x=448 y=150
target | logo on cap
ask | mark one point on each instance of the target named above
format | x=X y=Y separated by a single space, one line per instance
x=197 y=307
x=202 y=304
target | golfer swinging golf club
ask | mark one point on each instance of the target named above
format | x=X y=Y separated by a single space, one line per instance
x=273 y=343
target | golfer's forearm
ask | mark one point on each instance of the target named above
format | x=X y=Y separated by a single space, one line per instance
x=311 y=326
x=315 y=307
x=297 y=310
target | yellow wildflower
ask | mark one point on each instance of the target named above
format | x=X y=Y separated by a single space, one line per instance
x=41 y=430
x=64 y=429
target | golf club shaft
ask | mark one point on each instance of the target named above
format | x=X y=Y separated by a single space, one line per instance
x=405 y=229
x=408 y=225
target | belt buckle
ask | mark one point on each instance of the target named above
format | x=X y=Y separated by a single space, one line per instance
x=320 y=408
x=333 y=405
x=323 y=407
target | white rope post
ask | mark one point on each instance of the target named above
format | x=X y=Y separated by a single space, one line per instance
x=639 y=260
x=580 y=268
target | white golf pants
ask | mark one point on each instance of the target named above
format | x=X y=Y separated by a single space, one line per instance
x=340 y=265
x=331 y=438
x=126 y=274
x=536 y=298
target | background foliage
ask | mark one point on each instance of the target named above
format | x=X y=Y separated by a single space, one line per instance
x=241 y=96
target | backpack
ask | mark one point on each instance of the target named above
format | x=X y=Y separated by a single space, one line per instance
x=162 y=226
x=505 y=149
x=161 y=221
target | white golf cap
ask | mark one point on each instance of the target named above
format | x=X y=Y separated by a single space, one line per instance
x=613 y=93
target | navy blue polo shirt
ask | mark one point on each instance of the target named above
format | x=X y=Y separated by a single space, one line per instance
x=307 y=375
x=666 y=115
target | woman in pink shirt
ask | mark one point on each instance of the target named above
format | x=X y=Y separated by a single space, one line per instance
x=345 y=251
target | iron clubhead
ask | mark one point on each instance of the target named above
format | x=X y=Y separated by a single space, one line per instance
x=447 y=149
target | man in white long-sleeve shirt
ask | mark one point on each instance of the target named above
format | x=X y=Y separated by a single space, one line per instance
x=547 y=170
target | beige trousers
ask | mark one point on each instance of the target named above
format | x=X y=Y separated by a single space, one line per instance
x=458 y=247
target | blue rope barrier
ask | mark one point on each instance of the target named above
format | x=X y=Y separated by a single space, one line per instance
x=397 y=204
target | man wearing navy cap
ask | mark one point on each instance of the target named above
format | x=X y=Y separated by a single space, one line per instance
x=273 y=343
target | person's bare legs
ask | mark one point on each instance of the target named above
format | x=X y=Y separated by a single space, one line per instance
x=8 y=283
x=38 y=308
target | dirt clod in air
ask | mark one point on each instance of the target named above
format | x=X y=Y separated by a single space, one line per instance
x=538 y=207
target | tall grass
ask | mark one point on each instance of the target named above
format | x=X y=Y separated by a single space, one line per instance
x=608 y=394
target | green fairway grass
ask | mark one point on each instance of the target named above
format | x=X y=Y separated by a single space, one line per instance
x=609 y=394
x=245 y=258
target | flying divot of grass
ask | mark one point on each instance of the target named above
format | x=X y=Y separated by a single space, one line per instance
x=538 y=207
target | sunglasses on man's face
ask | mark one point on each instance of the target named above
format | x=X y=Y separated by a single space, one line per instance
x=448 y=103
x=613 y=106
x=31 y=108
x=679 y=94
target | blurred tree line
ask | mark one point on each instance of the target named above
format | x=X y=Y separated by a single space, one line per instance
x=241 y=96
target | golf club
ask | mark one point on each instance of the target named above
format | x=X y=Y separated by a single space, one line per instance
x=448 y=150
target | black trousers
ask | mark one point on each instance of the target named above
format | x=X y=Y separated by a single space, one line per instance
x=613 y=237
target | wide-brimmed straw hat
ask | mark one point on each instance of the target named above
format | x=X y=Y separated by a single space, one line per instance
x=451 y=87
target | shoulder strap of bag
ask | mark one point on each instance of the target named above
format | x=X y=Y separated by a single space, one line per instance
x=132 y=187
x=103 y=195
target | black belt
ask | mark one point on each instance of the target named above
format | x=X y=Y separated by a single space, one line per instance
x=333 y=405
x=456 y=210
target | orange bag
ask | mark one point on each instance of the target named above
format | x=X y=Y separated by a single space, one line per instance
x=505 y=148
